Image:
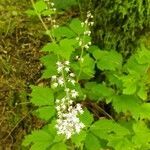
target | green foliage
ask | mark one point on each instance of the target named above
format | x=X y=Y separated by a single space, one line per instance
x=75 y=25
x=46 y=112
x=40 y=139
x=84 y=69
x=92 y=142
x=102 y=57
x=98 y=91
x=87 y=118
x=102 y=76
x=42 y=96
x=49 y=61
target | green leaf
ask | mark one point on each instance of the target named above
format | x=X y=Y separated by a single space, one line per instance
x=38 y=138
x=86 y=118
x=127 y=103
x=143 y=55
x=97 y=91
x=31 y=12
x=133 y=65
x=144 y=111
x=41 y=96
x=92 y=142
x=66 y=48
x=106 y=129
x=129 y=80
x=120 y=143
x=113 y=132
x=141 y=135
x=48 y=12
x=46 y=112
x=59 y=146
x=40 y=6
x=49 y=62
x=142 y=92
x=75 y=25
x=51 y=47
x=84 y=69
x=114 y=79
x=62 y=32
x=78 y=139
x=108 y=60
x=40 y=146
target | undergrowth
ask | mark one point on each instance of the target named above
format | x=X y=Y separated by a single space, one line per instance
x=95 y=98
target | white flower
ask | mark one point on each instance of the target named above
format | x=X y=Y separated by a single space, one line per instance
x=60 y=81
x=59 y=63
x=72 y=75
x=91 y=23
x=67 y=62
x=55 y=26
x=86 y=22
x=77 y=57
x=67 y=90
x=54 y=21
x=68 y=135
x=72 y=81
x=79 y=108
x=52 y=4
x=63 y=100
x=57 y=100
x=86 y=46
x=70 y=108
x=77 y=128
x=58 y=108
x=55 y=85
x=54 y=9
x=54 y=77
x=70 y=102
x=67 y=69
x=74 y=93
x=80 y=43
x=87 y=33
x=63 y=107
x=89 y=43
x=91 y=16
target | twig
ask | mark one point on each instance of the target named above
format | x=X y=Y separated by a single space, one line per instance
x=102 y=110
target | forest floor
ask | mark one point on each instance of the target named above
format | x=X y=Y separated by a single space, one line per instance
x=20 y=43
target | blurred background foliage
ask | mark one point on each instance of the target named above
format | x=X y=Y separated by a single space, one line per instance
x=119 y=24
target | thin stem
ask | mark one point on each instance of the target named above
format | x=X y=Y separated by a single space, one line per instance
x=65 y=85
x=40 y=18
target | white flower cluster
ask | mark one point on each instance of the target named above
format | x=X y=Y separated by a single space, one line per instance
x=68 y=122
x=86 y=25
x=62 y=69
x=50 y=5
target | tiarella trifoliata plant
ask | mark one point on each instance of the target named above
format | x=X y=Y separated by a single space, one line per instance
x=92 y=99
x=68 y=122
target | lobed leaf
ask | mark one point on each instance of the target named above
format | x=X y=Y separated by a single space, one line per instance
x=41 y=96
